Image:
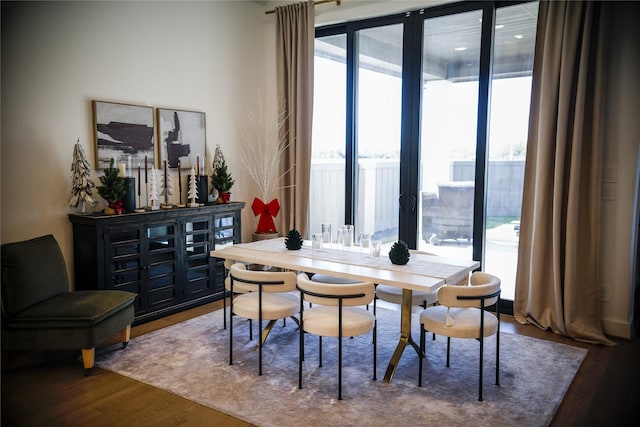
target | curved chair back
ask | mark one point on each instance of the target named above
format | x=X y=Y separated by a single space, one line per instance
x=251 y=281
x=484 y=286
x=352 y=294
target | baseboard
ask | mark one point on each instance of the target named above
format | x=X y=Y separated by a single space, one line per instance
x=616 y=328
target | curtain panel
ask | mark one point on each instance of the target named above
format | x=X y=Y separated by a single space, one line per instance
x=558 y=276
x=295 y=36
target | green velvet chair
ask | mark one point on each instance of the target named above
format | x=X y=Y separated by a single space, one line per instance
x=40 y=313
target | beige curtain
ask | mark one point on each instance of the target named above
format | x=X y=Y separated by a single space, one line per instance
x=557 y=283
x=294 y=57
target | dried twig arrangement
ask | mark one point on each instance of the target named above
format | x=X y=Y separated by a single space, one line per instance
x=261 y=154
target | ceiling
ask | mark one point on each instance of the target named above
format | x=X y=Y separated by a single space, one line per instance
x=452 y=44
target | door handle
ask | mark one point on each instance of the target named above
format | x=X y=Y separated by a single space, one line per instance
x=414 y=203
x=401 y=202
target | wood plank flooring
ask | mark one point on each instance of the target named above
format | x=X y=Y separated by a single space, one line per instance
x=48 y=388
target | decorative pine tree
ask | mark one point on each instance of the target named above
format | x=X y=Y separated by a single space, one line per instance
x=192 y=194
x=81 y=184
x=167 y=189
x=222 y=181
x=113 y=188
x=153 y=189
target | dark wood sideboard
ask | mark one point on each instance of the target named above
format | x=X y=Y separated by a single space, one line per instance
x=161 y=255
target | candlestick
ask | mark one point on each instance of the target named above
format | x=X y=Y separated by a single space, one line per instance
x=166 y=190
x=179 y=184
x=146 y=180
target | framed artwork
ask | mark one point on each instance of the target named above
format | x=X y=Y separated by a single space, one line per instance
x=182 y=137
x=125 y=133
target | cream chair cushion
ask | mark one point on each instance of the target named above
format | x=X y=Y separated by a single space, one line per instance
x=461 y=318
x=277 y=300
x=322 y=318
x=463 y=322
x=394 y=295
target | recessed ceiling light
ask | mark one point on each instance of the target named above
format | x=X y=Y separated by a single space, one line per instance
x=519 y=36
x=459 y=49
x=499 y=27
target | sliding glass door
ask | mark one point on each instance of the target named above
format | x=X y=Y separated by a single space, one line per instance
x=430 y=143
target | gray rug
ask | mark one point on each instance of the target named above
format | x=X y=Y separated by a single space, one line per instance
x=190 y=359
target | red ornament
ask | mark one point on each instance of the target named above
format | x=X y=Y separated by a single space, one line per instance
x=117 y=206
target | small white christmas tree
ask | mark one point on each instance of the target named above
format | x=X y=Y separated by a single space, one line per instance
x=153 y=189
x=192 y=194
x=81 y=183
x=167 y=189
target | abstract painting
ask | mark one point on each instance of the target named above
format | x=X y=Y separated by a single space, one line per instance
x=182 y=137
x=125 y=133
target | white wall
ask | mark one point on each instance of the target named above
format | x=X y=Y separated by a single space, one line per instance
x=58 y=56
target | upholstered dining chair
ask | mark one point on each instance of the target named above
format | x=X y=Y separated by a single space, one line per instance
x=227 y=288
x=336 y=312
x=462 y=313
x=267 y=296
x=422 y=299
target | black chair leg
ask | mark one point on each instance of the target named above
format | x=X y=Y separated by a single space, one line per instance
x=448 y=348
x=339 y=368
x=375 y=348
x=224 y=308
x=422 y=352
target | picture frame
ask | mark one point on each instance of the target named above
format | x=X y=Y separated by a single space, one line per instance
x=182 y=136
x=124 y=132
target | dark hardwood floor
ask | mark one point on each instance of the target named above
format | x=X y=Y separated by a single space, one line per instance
x=48 y=388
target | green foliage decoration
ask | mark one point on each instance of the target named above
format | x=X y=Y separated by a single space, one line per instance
x=293 y=241
x=221 y=179
x=113 y=187
x=399 y=253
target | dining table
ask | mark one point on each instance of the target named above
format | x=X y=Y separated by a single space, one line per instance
x=423 y=272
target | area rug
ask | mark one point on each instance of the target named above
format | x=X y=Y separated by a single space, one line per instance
x=190 y=359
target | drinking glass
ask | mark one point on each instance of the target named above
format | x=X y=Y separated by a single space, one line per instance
x=326 y=233
x=340 y=237
x=375 y=247
x=348 y=235
x=365 y=240
x=316 y=240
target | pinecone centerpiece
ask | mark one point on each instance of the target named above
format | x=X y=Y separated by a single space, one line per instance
x=113 y=189
x=293 y=241
x=399 y=253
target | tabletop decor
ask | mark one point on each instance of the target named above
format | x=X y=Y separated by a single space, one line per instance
x=192 y=194
x=82 y=185
x=167 y=187
x=399 y=253
x=113 y=189
x=262 y=159
x=293 y=241
x=221 y=178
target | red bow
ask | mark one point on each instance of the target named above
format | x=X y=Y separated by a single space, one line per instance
x=266 y=212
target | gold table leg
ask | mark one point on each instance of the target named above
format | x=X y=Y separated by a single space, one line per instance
x=405 y=335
